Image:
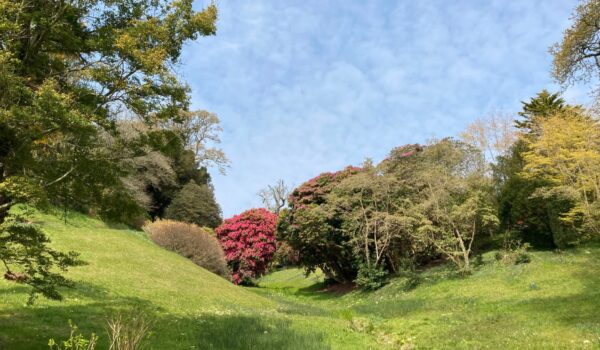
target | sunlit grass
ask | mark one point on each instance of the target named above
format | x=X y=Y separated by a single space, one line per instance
x=551 y=303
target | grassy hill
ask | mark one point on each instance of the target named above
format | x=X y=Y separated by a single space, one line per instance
x=551 y=303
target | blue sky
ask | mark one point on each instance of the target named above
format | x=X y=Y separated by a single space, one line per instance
x=307 y=86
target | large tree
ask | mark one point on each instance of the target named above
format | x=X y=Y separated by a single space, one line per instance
x=566 y=157
x=577 y=56
x=69 y=70
x=195 y=204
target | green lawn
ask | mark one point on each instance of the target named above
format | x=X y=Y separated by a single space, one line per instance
x=551 y=303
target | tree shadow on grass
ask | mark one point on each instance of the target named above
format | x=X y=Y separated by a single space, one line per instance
x=89 y=307
x=260 y=333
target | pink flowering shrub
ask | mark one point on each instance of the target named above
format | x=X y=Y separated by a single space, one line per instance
x=314 y=190
x=248 y=240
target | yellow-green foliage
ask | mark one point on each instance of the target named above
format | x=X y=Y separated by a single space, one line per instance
x=566 y=154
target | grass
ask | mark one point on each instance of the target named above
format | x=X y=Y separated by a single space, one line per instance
x=551 y=303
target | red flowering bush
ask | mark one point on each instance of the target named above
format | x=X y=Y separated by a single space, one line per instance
x=316 y=189
x=248 y=240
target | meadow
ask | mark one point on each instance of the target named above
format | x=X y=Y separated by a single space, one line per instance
x=552 y=302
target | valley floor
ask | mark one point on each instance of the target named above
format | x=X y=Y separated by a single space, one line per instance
x=551 y=303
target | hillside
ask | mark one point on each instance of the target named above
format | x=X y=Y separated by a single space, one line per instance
x=552 y=302
x=126 y=271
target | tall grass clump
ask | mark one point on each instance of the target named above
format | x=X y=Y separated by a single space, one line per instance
x=191 y=241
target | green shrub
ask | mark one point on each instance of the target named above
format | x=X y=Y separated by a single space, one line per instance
x=514 y=252
x=191 y=241
x=76 y=341
x=370 y=276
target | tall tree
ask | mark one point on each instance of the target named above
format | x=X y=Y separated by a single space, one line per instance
x=577 y=56
x=566 y=156
x=533 y=218
x=68 y=70
x=196 y=205
x=274 y=197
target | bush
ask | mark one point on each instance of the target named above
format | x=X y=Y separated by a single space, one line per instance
x=76 y=341
x=370 y=277
x=285 y=256
x=191 y=241
x=248 y=240
x=514 y=252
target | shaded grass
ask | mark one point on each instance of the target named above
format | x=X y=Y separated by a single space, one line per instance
x=551 y=303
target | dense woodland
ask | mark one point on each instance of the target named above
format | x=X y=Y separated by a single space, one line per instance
x=93 y=119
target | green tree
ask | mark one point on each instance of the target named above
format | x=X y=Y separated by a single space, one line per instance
x=312 y=226
x=577 y=56
x=455 y=204
x=534 y=219
x=566 y=157
x=195 y=204
x=68 y=71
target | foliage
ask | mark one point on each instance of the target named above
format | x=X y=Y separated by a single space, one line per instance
x=536 y=219
x=493 y=135
x=190 y=241
x=285 y=256
x=76 y=341
x=313 y=228
x=370 y=276
x=28 y=259
x=576 y=57
x=68 y=71
x=513 y=252
x=200 y=130
x=195 y=204
x=455 y=203
x=248 y=240
x=566 y=156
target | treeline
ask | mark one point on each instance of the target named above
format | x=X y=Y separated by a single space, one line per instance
x=531 y=181
x=444 y=200
x=94 y=118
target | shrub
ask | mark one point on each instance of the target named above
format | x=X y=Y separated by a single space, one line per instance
x=191 y=241
x=370 y=276
x=313 y=228
x=514 y=252
x=248 y=240
x=128 y=332
x=285 y=256
x=76 y=341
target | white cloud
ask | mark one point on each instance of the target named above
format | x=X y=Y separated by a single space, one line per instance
x=309 y=86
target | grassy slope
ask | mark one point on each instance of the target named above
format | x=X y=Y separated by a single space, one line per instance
x=553 y=302
x=194 y=309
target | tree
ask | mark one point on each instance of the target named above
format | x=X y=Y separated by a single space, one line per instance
x=196 y=205
x=566 y=156
x=455 y=203
x=199 y=130
x=540 y=107
x=248 y=240
x=493 y=135
x=274 y=197
x=371 y=210
x=68 y=71
x=533 y=218
x=577 y=56
x=313 y=227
